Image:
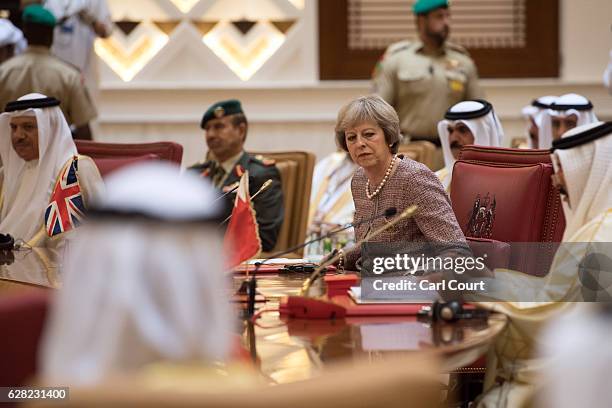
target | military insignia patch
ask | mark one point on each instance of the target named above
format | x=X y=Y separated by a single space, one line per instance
x=239 y=170
x=456 y=86
x=265 y=161
x=219 y=112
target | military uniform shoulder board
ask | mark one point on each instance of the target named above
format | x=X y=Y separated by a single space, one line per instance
x=391 y=50
x=265 y=161
x=397 y=47
x=68 y=64
x=239 y=170
x=458 y=48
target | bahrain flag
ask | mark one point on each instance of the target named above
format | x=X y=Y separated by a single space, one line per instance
x=241 y=240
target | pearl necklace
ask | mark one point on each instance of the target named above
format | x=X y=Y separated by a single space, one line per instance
x=382 y=183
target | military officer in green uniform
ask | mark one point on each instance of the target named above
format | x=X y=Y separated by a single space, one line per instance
x=226 y=128
x=421 y=79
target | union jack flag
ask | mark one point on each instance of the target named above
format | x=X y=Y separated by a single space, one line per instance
x=66 y=208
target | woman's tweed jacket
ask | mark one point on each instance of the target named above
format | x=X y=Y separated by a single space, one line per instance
x=411 y=183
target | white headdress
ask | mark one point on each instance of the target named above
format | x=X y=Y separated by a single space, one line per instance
x=576 y=346
x=585 y=154
x=607 y=76
x=27 y=186
x=480 y=118
x=536 y=111
x=146 y=284
x=9 y=34
x=565 y=105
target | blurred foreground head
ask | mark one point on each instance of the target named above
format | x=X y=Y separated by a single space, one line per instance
x=143 y=282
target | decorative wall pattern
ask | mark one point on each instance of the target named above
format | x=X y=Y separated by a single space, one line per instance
x=245 y=45
x=478 y=24
x=242 y=34
x=184 y=5
x=131 y=46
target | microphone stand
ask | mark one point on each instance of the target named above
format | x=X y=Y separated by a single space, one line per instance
x=263 y=187
x=250 y=286
x=407 y=213
x=389 y=212
x=230 y=191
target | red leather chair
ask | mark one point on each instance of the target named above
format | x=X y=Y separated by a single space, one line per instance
x=506 y=195
x=496 y=253
x=22 y=317
x=111 y=156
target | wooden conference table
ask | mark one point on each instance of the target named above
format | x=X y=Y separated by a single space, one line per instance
x=288 y=350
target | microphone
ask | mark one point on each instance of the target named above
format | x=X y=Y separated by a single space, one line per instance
x=233 y=188
x=263 y=187
x=407 y=213
x=251 y=286
x=389 y=212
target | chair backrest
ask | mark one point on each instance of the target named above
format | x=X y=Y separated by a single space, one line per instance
x=111 y=156
x=288 y=172
x=421 y=151
x=390 y=383
x=554 y=222
x=507 y=195
x=22 y=318
x=297 y=181
x=107 y=165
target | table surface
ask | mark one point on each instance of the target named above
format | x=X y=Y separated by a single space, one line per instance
x=29 y=269
x=288 y=350
x=296 y=349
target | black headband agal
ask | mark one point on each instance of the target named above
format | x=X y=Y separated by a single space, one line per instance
x=564 y=107
x=31 y=104
x=470 y=115
x=540 y=105
x=581 y=138
x=103 y=214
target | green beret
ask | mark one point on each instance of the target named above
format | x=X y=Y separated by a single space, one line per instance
x=221 y=109
x=425 y=6
x=37 y=14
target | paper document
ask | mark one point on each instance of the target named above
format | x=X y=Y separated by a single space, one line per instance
x=394 y=336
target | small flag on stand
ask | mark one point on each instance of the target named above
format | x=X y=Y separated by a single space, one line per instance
x=241 y=240
x=66 y=208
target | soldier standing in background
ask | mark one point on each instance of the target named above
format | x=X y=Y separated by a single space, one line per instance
x=421 y=79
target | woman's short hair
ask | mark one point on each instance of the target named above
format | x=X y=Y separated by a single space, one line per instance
x=371 y=108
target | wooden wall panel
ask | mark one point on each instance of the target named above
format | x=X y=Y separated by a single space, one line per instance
x=506 y=38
